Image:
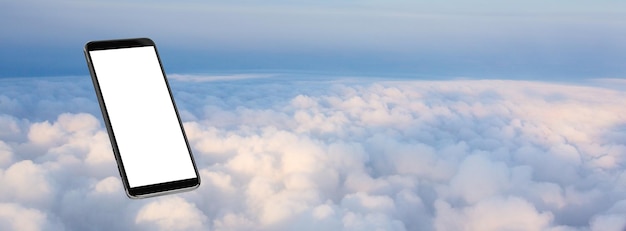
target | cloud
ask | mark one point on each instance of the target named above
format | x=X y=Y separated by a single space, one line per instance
x=492 y=214
x=212 y=78
x=6 y=154
x=478 y=178
x=331 y=154
x=15 y=217
x=613 y=219
x=26 y=182
x=173 y=213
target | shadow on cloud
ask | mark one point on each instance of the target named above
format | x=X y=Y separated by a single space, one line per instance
x=336 y=154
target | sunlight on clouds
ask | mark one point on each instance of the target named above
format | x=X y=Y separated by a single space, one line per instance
x=108 y=185
x=26 y=182
x=491 y=215
x=469 y=140
x=15 y=217
x=345 y=154
x=172 y=213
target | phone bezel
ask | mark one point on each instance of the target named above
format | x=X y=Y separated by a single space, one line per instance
x=147 y=190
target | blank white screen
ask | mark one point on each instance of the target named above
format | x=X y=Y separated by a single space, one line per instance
x=142 y=115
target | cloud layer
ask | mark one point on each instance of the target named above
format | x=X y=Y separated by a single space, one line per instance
x=285 y=153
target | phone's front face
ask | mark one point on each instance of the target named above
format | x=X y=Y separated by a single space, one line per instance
x=147 y=136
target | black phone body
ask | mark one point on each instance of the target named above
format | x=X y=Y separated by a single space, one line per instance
x=141 y=118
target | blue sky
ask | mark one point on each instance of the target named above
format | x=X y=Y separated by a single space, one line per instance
x=478 y=39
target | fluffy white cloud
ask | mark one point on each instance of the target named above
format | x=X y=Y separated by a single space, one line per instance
x=492 y=214
x=25 y=182
x=332 y=154
x=172 y=213
x=15 y=217
x=6 y=154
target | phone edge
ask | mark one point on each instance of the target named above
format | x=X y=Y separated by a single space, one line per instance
x=107 y=123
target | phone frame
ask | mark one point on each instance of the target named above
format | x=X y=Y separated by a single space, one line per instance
x=148 y=190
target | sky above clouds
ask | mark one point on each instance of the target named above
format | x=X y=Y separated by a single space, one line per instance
x=285 y=152
x=479 y=39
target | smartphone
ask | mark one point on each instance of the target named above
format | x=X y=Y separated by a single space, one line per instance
x=147 y=136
